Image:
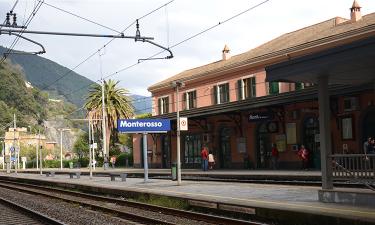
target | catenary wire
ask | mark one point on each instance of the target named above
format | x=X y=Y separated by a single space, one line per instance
x=80 y=17
x=179 y=43
x=28 y=21
x=105 y=45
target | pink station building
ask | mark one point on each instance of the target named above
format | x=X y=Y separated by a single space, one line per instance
x=233 y=111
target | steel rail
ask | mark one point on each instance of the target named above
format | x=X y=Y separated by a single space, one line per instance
x=169 y=211
x=30 y=213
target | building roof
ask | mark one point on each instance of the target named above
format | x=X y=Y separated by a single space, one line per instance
x=306 y=38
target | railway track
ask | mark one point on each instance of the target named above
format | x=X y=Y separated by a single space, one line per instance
x=13 y=213
x=128 y=210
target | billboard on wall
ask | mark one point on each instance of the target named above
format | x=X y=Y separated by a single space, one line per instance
x=143 y=125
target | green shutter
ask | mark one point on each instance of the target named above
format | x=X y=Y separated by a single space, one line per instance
x=167 y=105
x=214 y=94
x=253 y=87
x=298 y=86
x=159 y=106
x=239 y=90
x=226 y=92
x=274 y=87
x=184 y=101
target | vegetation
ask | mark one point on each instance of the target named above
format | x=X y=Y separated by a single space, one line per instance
x=118 y=105
x=29 y=104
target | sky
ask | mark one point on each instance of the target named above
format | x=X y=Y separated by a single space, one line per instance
x=168 y=26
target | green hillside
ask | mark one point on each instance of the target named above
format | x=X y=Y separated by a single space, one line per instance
x=29 y=104
x=43 y=73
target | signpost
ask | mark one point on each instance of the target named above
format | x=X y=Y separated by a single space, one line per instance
x=183 y=123
x=144 y=126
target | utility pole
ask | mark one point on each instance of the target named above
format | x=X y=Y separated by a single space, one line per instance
x=37 y=152
x=93 y=149
x=90 y=145
x=178 y=84
x=14 y=143
x=61 y=145
x=104 y=126
x=41 y=156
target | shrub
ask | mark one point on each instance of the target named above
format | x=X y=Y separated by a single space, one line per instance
x=121 y=159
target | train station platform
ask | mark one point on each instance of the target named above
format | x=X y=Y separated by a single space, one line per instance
x=285 y=204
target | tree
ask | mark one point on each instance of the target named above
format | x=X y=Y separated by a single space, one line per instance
x=117 y=105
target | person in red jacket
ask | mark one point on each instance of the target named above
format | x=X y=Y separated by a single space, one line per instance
x=304 y=155
x=274 y=157
x=204 y=156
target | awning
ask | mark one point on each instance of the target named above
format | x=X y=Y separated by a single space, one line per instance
x=352 y=63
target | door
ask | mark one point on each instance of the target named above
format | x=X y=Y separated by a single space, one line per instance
x=225 y=149
x=311 y=140
x=264 y=146
x=165 y=151
x=368 y=125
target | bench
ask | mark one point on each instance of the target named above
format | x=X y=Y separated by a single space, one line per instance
x=122 y=175
x=77 y=174
x=50 y=173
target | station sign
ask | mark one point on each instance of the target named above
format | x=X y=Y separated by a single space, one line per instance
x=260 y=116
x=143 y=125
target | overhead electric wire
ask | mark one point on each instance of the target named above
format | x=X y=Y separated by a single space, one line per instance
x=15 y=41
x=105 y=45
x=179 y=43
x=80 y=17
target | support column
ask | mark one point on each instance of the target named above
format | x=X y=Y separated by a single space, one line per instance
x=145 y=166
x=325 y=132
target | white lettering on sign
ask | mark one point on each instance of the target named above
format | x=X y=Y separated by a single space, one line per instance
x=140 y=124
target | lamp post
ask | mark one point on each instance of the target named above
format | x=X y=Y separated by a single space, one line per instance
x=177 y=84
x=61 y=133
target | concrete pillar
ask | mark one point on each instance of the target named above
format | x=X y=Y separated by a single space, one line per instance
x=325 y=132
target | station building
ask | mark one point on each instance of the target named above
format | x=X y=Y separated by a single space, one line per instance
x=233 y=111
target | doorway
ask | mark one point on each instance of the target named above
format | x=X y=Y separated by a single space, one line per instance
x=311 y=140
x=225 y=149
x=368 y=124
x=264 y=146
x=166 y=151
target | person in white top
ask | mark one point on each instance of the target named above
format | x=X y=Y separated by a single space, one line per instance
x=211 y=161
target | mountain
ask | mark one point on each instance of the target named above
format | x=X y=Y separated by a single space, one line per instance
x=142 y=104
x=43 y=73
x=46 y=76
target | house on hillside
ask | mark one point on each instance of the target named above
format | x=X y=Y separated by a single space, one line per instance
x=233 y=111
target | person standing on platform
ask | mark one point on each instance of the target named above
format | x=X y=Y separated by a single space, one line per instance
x=113 y=161
x=211 y=161
x=204 y=156
x=366 y=145
x=105 y=162
x=274 y=157
x=304 y=154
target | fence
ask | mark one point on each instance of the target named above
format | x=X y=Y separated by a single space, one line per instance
x=354 y=167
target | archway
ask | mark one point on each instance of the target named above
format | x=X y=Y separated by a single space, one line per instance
x=264 y=146
x=367 y=126
x=311 y=139
x=225 y=149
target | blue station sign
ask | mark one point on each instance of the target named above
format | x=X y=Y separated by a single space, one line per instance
x=143 y=125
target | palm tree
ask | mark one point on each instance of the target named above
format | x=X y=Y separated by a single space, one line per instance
x=117 y=106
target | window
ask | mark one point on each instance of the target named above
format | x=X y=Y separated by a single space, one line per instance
x=246 y=88
x=221 y=93
x=299 y=86
x=347 y=128
x=190 y=99
x=273 y=88
x=163 y=105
